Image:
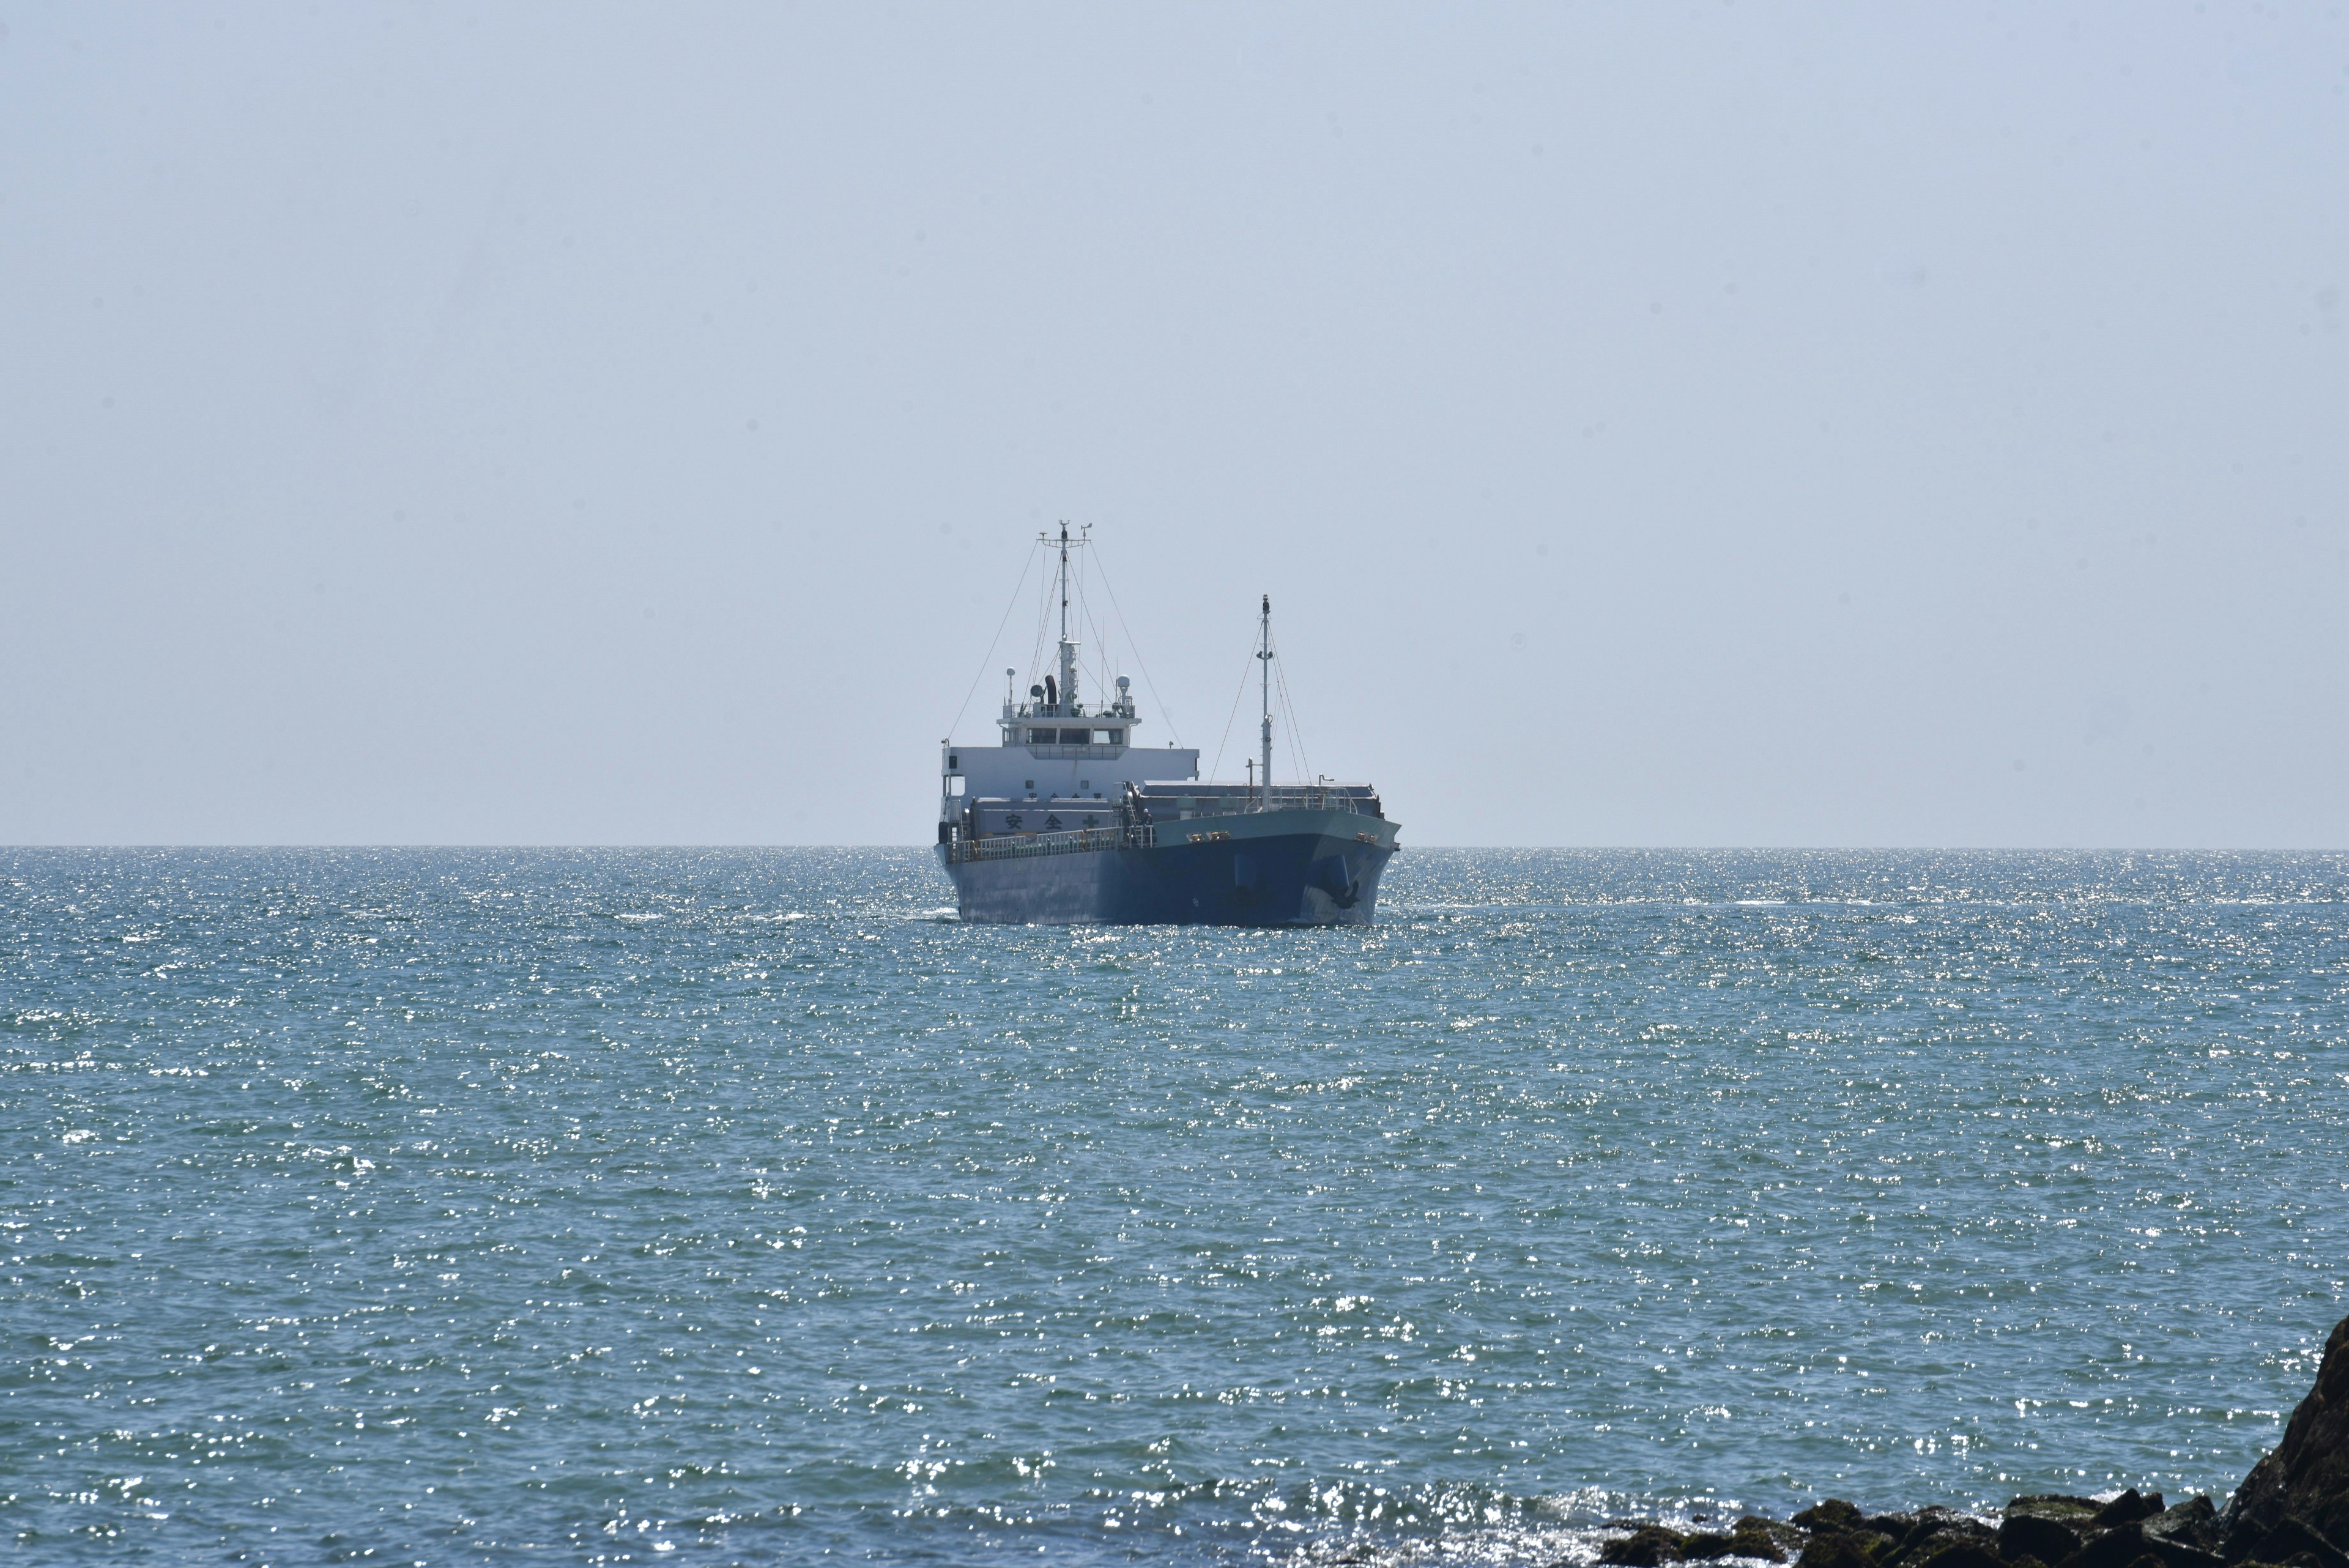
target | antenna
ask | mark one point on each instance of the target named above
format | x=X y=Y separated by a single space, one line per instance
x=1263 y=656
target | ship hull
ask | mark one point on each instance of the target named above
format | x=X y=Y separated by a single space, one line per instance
x=1298 y=867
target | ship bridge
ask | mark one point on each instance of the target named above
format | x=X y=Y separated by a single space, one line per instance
x=1060 y=750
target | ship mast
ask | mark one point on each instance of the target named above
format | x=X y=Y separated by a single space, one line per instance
x=1264 y=660
x=1068 y=650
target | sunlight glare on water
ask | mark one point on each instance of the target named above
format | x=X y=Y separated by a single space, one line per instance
x=698 y=1205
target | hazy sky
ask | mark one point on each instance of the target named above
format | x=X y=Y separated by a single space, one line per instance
x=1697 y=425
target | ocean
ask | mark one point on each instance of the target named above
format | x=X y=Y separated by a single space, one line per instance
x=708 y=1206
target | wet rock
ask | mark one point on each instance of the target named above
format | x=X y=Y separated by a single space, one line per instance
x=1843 y=1537
x=2294 y=1544
x=1752 y=1537
x=1787 y=1540
x=1646 y=1547
x=2120 y=1547
x=2305 y=1481
x=2127 y=1509
x=2126 y=1546
x=2191 y=1526
x=1966 y=1552
x=1830 y=1514
x=2049 y=1526
x=1840 y=1550
x=1927 y=1533
x=2180 y=1537
x=1907 y=1526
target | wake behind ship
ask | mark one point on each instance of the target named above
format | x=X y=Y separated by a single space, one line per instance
x=1068 y=821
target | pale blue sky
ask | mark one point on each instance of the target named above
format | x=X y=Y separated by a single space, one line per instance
x=1714 y=424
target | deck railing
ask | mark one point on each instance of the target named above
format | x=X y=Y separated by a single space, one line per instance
x=1017 y=845
x=1143 y=836
x=1293 y=797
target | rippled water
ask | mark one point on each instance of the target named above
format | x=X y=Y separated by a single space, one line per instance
x=458 y=1206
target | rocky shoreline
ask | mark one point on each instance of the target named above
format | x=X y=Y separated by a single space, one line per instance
x=2292 y=1511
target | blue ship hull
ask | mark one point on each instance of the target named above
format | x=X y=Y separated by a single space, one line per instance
x=1287 y=868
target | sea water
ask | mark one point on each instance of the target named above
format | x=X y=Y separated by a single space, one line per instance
x=454 y=1207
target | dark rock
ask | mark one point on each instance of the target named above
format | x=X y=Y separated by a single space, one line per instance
x=2127 y=1509
x=2180 y=1537
x=1936 y=1526
x=1965 y=1553
x=2119 y=1547
x=2306 y=1479
x=2292 y=1541
x=1844 y=1549
x=1843 y=1537
x=2191 y=1526
x=1646 y=1547
x=1932 y=1531
x=2049 y=1526
x=1829 y=1515
x=1909 y=1526
x=1784 y=1540
x=1752 y=1538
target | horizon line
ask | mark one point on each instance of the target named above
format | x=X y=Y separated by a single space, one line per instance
x=917 y=845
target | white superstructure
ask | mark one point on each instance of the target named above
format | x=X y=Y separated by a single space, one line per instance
x=1054 y=746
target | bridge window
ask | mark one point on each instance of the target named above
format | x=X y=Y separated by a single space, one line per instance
x=1043 y=737
x=1109 y=737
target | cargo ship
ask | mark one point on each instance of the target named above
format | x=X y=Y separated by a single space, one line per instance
x=1070 y=820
